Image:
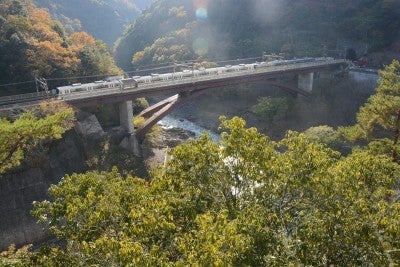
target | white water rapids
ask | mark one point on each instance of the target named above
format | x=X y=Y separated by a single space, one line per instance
x=169 y=122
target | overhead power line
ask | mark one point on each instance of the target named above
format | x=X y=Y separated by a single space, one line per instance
x=79 y=77
x=17 y=83
x=161 y=66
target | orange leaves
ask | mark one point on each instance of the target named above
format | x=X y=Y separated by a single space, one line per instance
x=48 y=51
x=45 y=49
x=80 y=40
x=43 y=26
x=45 y=57
x=41 y=16
x=138 y=56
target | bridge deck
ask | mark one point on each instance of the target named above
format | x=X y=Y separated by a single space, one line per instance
x=113 y=95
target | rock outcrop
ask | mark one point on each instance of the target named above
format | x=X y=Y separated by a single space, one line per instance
x=89 y=126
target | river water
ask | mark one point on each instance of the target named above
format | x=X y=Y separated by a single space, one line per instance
x=169 y=122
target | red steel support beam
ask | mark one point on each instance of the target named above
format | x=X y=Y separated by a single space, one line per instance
x=163 y=108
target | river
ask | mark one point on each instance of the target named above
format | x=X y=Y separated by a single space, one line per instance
x=169 y=122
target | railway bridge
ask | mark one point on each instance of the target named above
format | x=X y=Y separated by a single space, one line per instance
x=182 y=90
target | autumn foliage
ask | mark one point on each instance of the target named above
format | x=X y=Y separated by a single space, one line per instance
x=33 y=44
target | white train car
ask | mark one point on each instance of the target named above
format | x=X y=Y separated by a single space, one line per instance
x=166 y=76
x=135 y=81
x=212 y=71
x=144 y=79
x=97 y=85
x=75 y=87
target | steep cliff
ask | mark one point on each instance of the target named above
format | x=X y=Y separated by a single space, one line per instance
x=30 y=183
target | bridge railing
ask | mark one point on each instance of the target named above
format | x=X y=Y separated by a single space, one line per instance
x=192 y=79
x=20 y=97
x=268 y=69
x=87 y=94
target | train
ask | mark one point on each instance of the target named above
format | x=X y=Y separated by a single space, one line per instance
x=119 y=82
x=110 y=82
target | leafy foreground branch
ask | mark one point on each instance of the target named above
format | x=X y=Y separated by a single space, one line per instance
x=50 y=122
x=378 y=121
x=245 y=201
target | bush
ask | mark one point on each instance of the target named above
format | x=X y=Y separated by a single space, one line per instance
x=139 y=104
x=271 y=109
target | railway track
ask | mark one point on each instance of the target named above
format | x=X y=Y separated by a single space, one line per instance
x=24 y=100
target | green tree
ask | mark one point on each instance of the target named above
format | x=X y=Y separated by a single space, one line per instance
x=271 y=109
x=245 y=201
x=378 y=121
x=139 y=104
x=96 y=60
x=29 y=129
x=326 y=135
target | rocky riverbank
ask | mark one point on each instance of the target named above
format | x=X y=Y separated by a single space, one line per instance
x=155 y=154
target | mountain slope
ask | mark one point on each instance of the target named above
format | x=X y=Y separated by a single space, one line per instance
x=154 y=22
x=226 y=29
x=33 y=44
x=104 y=19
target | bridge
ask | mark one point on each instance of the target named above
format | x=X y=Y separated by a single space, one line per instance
x=182 y=90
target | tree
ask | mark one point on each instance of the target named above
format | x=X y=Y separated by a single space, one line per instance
x=139 y=104
x=29 y=129
x=245 y=201
x=378 y=121
x=326 y=135
x=351 y=54
x=271 y=109
x=97 y=60
x=80 y=40
x=33 y=44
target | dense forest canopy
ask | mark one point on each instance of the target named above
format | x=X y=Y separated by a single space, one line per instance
x=33 y=44
x=236 y=29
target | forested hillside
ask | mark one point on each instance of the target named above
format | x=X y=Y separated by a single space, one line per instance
x=33 y=44
x=180 y=30
x=104 y=19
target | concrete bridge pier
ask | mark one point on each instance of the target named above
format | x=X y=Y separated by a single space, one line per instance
x=126 y=120
x=306 y=81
